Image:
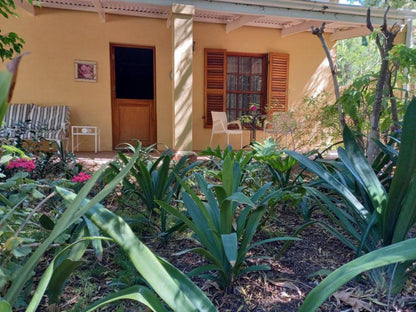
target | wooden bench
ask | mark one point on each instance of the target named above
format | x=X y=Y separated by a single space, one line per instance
x=32 y=122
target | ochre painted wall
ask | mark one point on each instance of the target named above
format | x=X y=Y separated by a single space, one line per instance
x=56 y=38
x=308 y=70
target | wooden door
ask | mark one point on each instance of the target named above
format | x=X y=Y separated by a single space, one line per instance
x=133 y=94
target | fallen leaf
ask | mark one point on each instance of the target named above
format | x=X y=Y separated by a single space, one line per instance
x=355 y=303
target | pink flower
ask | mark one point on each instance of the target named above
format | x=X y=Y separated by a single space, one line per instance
x=23 y=163
x=81 y=177
x=253 y=108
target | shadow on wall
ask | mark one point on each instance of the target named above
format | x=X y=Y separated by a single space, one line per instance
x=317 y=128
x=182 y=83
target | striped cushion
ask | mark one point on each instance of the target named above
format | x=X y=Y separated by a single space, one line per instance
x=49 y=117
x=16 y=114
x=44 y=134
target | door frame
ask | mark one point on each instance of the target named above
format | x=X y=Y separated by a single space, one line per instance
x=114 y=121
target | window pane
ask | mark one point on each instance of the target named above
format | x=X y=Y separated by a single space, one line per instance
x=245 y=79
x=243 y=103
x=134 y=73
x=245 y=65
x=256 y=83
x=255 y=99
x=231 y=101
x=244 y=83
x=231 y=115
x=257 y=65
x=231 y=106
x=231 y=82
x=232 y=64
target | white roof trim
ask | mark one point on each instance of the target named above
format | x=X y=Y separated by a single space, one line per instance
x=291 y=16
x=240 y=22
x=25 y=6
x=350 y=33
x=100 y=10
x=298 y=28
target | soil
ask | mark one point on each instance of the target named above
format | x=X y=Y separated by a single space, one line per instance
x=283 y=288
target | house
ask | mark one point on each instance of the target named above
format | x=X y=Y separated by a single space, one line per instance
x=154 y=69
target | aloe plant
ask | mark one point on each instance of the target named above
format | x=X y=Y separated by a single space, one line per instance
x=224 y=223
x=157 y=180
x=382 y=217
x=217 y=156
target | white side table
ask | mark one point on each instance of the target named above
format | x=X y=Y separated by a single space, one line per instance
x=89 y=131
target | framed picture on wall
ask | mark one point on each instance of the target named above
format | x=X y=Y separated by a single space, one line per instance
x=85 y=71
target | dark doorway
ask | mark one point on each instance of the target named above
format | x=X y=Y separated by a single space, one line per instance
x=133 y=94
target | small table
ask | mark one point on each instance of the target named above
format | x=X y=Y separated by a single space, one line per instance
x=86 y=130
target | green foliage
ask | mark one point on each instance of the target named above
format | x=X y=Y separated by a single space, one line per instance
x=169 y=283
x=23 y=222
x=84 y=217
x=7 y=8
x=279 y=164
x=404 y=60
x=136 y=293
x=156 y=180
x=224 y=223
x=282 y=174
x=320 y=127
x=401 y=252
x=356 y=58
x=399 y=4
x=217 y=156
x=5 y=83
x=11 y=43
x=69 y=217
x=381 y=217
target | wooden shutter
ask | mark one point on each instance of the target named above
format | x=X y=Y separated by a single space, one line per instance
x=278 y=79
x=215 y=83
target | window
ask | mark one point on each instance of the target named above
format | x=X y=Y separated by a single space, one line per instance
x=246 y=77
x=134 y=73
x=234 y=81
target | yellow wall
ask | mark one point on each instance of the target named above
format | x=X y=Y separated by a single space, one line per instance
x=308 y=70
x=58 y=37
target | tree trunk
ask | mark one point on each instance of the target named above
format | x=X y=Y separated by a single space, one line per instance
x=372 y=148
x=393 y=102
x=384 y=41
x=319 y=33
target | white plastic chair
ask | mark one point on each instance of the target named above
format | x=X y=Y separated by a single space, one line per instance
x=220 y=126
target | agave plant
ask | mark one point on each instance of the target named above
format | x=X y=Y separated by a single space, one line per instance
x=224 y=223
x=156 y=180
x=376 y=216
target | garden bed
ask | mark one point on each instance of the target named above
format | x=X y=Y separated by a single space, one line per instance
x=282 y=289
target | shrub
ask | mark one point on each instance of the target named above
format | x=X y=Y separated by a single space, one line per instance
x=373 y=216
x=224 y=223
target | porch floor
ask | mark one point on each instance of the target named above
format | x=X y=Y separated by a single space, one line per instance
x=93 y=160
